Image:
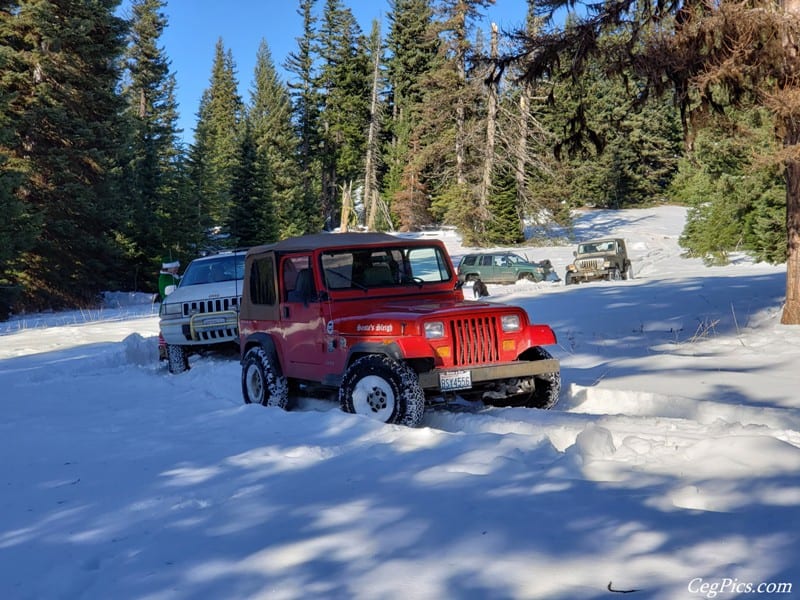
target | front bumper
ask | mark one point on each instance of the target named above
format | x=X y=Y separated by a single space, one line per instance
x=484 y=374
x=201 y=329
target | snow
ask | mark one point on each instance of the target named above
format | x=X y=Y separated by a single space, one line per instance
x=671 y=464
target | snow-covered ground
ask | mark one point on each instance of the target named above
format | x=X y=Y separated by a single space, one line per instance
x=671 y=465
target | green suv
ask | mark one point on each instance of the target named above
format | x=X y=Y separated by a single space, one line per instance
x=504 y=267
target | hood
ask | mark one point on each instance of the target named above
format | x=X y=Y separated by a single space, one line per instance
x=206 y=291
x=419 y=308
x=394 y=317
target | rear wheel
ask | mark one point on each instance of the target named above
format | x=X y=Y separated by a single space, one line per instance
x=262 y=382
x=384 y=389
x=177 y=359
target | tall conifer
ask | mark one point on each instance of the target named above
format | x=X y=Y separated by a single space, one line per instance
x=65 y=109
x=270 y=114
x=157 y=208
x=306 y=106
x=215 y=151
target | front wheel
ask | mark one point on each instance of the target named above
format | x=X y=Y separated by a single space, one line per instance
x=262 y=381
x=384 y=389
x=614 y=275
x=177 y=359
x=628 y=272
x=539 y=391
x=548 y=385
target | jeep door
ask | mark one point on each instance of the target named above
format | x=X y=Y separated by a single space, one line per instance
x=301 y=318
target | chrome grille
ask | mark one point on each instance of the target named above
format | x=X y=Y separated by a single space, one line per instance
x=209 y=306
x=217 y=334
x=474 y=341
x=590 y=264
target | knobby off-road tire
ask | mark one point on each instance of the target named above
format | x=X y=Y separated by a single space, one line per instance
x=614 y=274
x=177 y=359
x=262 y=381
x=569 y=279
x=383 y=389
x=540 y=391
x=628 y=274
x=548 y=385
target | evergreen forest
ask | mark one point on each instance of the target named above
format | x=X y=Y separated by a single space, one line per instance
x=425 y=119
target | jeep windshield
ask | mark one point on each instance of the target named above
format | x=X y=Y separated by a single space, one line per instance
x=595 y=247
x=226 y=267
x=366 y=268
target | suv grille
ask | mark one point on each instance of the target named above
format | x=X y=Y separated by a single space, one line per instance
x=474 y=340
x=209 y=306
x=590 y=264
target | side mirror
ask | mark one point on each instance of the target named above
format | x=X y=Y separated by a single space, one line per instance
x=169 y=289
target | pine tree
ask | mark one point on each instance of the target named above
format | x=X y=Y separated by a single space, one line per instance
x=452 y=140
x=63 y=65
x=215 y=151
x=270 y=113
x=344 y=82
x=504 y=227
x=736 y=203
x=412 y=46
x=157 y=209
x=16 y=233
x=251 y=220
x=306 y=107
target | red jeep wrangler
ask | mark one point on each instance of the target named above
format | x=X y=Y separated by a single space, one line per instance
x=384 y=320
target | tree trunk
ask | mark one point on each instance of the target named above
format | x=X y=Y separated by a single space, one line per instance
x=370 y=167
x=791 y=310
x=491 y=127
x=461 y=112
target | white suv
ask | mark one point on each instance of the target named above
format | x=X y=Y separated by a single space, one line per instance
x=203 y=309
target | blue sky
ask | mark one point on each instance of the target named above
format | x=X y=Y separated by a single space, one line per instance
x=194 y=26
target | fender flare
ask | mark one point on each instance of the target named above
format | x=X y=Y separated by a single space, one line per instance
x=263 y=341
x=392 y=350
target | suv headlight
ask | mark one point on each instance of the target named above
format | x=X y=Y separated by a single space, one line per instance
x=606 y=264
x=510 y=323
x=434 y=330
x=172 y=309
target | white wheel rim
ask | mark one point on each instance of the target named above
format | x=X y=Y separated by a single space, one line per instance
x=374 y=397
x=255 y=384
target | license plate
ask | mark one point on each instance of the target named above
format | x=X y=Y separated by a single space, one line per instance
x=455 y=380
x=213 y=321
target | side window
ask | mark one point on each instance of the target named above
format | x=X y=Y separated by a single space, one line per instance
x=469 y=261
x=486 y=261
x=262 y=281
x=298 y=279
x=428 y=264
